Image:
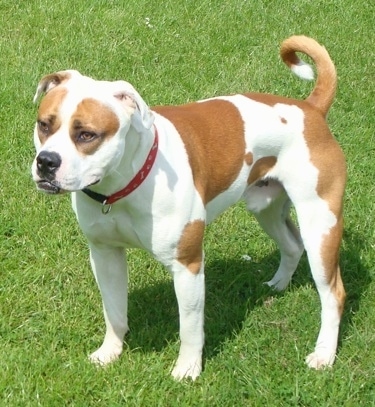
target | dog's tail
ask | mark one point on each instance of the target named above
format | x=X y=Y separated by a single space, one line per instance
x=325 y=87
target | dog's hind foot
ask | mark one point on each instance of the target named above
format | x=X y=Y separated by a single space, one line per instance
x=281 y=279
x=278 y=284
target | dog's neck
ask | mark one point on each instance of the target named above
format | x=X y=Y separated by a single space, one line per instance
x=137 y=148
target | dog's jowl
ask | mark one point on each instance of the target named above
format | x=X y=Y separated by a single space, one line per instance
x=152 y=178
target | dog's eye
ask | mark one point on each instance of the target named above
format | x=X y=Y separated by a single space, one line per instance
x=86 y=136
x=43 y=126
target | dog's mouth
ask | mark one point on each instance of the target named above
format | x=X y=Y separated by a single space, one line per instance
x=47 y=187
x=93 y=183
x=52 y=188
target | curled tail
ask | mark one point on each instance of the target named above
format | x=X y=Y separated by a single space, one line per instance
x=324 y=91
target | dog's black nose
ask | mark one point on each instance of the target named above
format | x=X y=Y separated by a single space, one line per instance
x=47 y=163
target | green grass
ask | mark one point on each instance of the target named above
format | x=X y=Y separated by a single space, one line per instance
x=256 y=340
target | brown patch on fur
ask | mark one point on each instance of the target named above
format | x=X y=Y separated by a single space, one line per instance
x=249 y=158
x=327 y=156
x=283 y=120
x=189 y=249
x=92 y=118
x=49 y=113
x=330 y=256
x=213 y=134
x=261 y=168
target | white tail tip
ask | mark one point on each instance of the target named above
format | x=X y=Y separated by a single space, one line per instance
x=303 y=70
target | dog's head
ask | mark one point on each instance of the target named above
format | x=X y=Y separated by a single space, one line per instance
x=81 y=128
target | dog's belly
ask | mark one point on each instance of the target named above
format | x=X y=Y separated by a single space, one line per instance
x=229 y=197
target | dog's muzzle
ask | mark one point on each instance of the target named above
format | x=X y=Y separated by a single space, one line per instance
x=47 y=163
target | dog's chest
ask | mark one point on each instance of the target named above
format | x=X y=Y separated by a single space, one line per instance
x=116 y=228
x=113 y=231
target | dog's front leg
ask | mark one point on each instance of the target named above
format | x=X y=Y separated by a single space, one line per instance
x=110 y=270
x=189 y=288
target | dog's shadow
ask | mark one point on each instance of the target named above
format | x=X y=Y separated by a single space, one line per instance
x=233 y=289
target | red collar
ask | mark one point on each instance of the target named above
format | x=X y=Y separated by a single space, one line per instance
x=137 y=180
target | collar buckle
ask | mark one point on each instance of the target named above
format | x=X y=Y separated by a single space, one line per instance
x=106 y=208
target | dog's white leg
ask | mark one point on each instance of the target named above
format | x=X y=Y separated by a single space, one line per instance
x=189 y=289
x=110 y=270
x=321 y=232
x=275 y=221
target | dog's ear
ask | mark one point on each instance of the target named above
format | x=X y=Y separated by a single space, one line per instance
x=142 y=118
x=52 y=80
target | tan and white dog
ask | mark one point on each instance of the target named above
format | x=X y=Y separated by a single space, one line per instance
x=153 y=178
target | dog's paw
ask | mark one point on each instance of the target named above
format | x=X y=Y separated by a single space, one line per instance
x=187 y=368
x=278 y=285
x=320 y=359
x=105 y=355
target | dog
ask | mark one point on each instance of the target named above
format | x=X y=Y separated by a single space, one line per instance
x=153 y=178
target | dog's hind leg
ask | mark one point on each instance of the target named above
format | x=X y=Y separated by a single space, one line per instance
x=321 y=232
x=321 y=226
x=110 y=271
x=275 y=221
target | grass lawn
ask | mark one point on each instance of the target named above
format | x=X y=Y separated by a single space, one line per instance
x=256 y=340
